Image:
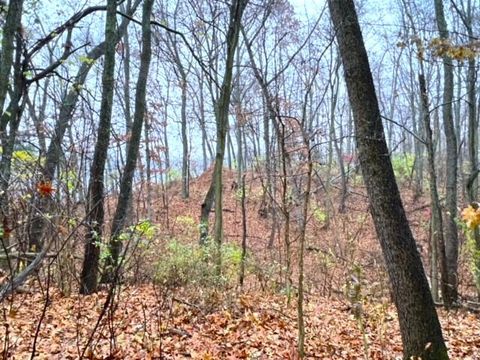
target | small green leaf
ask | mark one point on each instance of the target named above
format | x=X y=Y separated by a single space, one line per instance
x=86 y=60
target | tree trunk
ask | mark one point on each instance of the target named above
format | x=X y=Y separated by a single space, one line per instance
x=11 y=39
x=472 y=181
x=126 y=72
x=182 y=80
x=125 y=194
x=244 y=233
x=451 y=233
x=419 y=325
x=221 y=118
x=437 y=239
x=419 y=131
x=185 y=157
x=10 y=29
x=301 y=249
x=95 y=207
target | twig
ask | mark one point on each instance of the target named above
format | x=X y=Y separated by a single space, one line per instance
x=42 y=316
x=187 y=303
x=179 y=332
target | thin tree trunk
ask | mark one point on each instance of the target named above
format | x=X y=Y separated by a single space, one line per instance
x=119 y=219
x=244 y=233
x=437 y=222
x=472 y=182
x=11 y=46
x=126 y=72
x=95 y=206
x=11 y=28
x=185 y=172
x=182 y=79
x=221 y=117
x=148 y=160
x=451 y=234
x=301 y=252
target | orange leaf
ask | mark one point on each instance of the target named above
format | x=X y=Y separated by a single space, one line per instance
x=45 y=188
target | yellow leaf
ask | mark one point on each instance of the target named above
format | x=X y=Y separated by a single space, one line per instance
x=471 y=216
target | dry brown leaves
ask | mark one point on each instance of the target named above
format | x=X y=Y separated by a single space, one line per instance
x=255 y=327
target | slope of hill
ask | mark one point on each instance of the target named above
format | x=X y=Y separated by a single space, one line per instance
x=201 y=318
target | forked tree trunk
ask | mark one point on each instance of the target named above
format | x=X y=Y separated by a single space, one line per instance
x=419 y=325
x=120 y=217
x=221 y=118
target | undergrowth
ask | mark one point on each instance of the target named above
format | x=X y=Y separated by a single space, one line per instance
x=195 y=269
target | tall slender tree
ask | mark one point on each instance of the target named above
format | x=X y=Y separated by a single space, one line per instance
x=451 y=233
x=95 y=202
x=125 y=194
x=221 y=119
x=419 y=325
x=436 y=226
x=10 y=54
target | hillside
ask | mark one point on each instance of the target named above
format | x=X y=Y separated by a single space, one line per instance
x=198 y=318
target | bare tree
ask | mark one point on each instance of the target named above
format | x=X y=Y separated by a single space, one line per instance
x=119 y=219
x=451 y=233
x=221 y=118
x=419 y=325
x=95 y=205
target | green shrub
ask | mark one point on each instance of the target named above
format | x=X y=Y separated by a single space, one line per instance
x=403 y=165
x=195 y=265
x=320 y=215
x=231 y=260
x=471 y=251
x=187 y=227
x=174 y=175
x=186 y=221
x=474 y=259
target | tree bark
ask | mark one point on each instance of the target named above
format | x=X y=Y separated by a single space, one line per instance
x=451 y=234
x=125 y=194
x=95 y=206
x=419 y=325
x=11 y=47
x=221 y=118
x=10 y=29
x=437 y=239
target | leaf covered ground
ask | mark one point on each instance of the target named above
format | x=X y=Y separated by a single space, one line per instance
x=145 y=326
x=257 y=322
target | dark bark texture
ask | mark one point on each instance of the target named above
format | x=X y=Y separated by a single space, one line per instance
x=221 y=118
x=450 y=281
x=419 y=325
x=95 y=208
x=121 y=211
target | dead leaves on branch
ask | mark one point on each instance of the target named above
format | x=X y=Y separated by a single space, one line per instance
x=460 y=52
x=440 y=48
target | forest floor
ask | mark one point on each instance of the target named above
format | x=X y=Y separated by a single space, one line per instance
x=256 y=321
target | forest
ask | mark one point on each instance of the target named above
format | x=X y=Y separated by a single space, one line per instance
x=240 y=179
